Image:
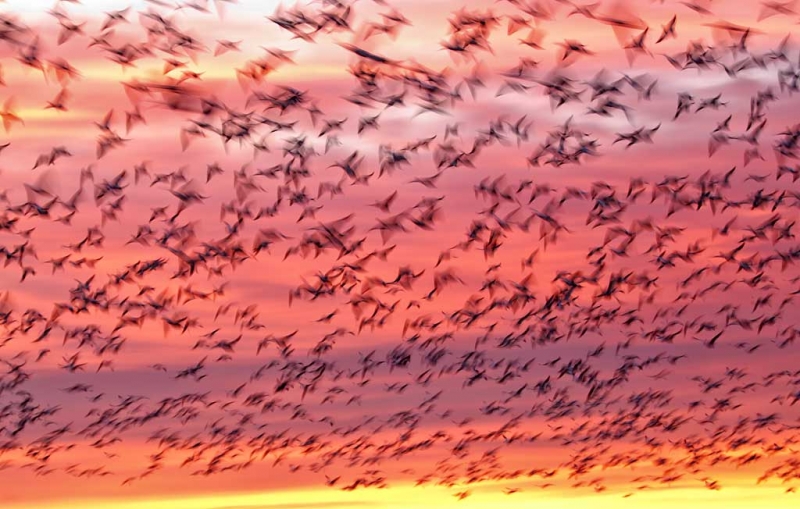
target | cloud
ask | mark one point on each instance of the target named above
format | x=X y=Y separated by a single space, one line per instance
x=309 y=505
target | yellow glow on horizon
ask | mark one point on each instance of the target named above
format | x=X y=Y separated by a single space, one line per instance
x=407 y=496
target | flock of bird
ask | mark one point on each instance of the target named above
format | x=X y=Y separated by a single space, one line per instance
x=556 y=272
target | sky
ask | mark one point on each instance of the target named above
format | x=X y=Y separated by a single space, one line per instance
x=550 y=304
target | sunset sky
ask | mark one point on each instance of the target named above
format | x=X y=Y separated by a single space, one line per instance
x=153 y=355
